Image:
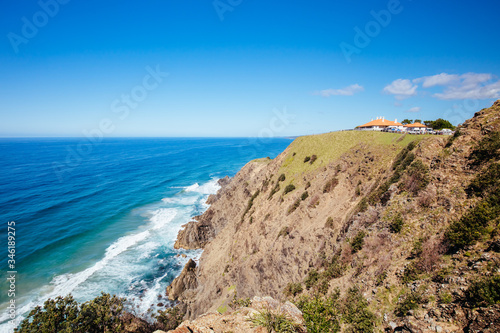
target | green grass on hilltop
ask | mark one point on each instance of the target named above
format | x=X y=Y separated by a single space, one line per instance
x=331 y=146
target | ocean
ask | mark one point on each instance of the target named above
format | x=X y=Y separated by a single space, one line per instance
x=104 y=216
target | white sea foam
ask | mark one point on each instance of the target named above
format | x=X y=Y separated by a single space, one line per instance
x=193 y=188
x=65 y=284
x=210 y=187
x=162 y=217
x=182 y=201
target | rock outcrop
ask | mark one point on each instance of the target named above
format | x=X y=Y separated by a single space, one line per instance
x=240 y=321
x=185 y=281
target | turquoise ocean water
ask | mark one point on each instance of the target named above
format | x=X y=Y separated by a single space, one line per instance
x=104 y=216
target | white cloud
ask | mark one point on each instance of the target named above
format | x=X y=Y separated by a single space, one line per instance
x=347 y=91
x=414 y=109
x=476 y=91
x=455 y=86
x=471 y=86
x=437 y=80
x=401 y=88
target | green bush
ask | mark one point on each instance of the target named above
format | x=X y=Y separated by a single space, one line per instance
x=358 y=191
x=294 y=206
x=293 y=289
x=403 y=154
x=311 y=279
x=474 y=223
x=484 y=292
x=304 y=196
x=170 y=318
x=358 y=241
x=250 y=204
x=486 y=149
x=282 y=177
x=411 y=273
x=335 y=268
x=275 y=189
x=445 y=298
x=408 y=302
x=485 y=182
x=274 y=322
x=64 y=314
x=356 y=312
x=307 y=159
x=283 y=232
x=289 y=188
x=381 y=278
x=320 y=313
x=313 y=159
x=397 y=224
x=329 y=223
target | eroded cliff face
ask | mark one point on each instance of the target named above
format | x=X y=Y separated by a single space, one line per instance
x=261 y=246
x=261 y=233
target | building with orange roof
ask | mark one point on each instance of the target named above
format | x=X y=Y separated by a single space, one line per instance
x=380 y=124
x=418 y=127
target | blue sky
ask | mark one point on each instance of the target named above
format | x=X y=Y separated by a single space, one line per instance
x=241 y=67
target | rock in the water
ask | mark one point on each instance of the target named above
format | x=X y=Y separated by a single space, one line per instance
x=185 y=281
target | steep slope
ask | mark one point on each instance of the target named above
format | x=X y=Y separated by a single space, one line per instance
x=368 y=213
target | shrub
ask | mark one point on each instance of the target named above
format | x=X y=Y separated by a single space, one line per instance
x=358 y=191
x=274 y=322
x=329 y=222
x=445 y=297
x=335 y=268
x=294 y=206
x=486 y=149
x=275 y=189
x=397 y=224
x=381 y=278
x=307 y=159
x=362 y=205
x=417 y=177
x=484 y=292
x=170 y=318
x=250 y=204
x=407 y=303
x=308 y=185
x=239 y=302
x=330 y=185
x=282 y=177
x=289 y=188
x=320 y=313
x=311 y=279
x=473 y=224
x=411 y=273
x=358 y=241
x=356 y=312
x=293 y=289
x=403 y=155
x=313 y=159
x=64 y=314
x=485 y=182
x=283 y=232
x=304 y=196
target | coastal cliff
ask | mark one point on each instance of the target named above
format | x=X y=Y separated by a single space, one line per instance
x=373 y=212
